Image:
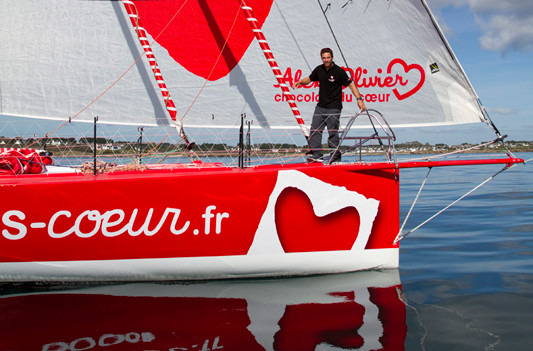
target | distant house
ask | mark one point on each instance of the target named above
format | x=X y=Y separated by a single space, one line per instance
x=112 y=147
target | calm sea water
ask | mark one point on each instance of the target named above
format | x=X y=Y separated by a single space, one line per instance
x=465 y=283
x=468 y=275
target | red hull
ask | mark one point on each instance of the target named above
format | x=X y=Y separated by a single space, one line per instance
x=197 y=212
x=202 y=222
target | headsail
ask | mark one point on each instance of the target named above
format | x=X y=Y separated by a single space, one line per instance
x=58 y=56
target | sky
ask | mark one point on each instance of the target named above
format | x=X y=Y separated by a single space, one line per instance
x=493 y=40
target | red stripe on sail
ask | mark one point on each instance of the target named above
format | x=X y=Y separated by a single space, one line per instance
x=252 y=20
x=141 y=33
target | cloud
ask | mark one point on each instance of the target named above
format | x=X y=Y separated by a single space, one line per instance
x=507 y=25
x=501 y=111
x=505 y=34
x=517 y=7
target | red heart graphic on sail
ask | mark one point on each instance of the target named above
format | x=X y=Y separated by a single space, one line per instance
x=300 y=230
x=195 y=32
x=406 y=69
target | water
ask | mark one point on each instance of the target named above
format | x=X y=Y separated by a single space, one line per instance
x=465 y=283
x=468 y=275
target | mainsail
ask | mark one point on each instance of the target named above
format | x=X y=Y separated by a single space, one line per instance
x=65 y=58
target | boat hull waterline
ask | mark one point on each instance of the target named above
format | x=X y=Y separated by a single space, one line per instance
x=202 y=222
x=198 y=223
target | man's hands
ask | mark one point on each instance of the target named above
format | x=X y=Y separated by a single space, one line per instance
x=301 y=82
x=361 y=105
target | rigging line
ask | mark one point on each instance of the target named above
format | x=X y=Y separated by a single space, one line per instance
x=135 y=20
x=169 y=22
x=344 y=59
x=487 y=118
x=374 y=127
x=113 y=83
x=152 y=150
x=398 y=237
x=91 y=103
x=332 y=33
x=214 y=65
x=453 y=152
x=142 y=35
x=506 y=167
x=269 y=56
x=181 y=132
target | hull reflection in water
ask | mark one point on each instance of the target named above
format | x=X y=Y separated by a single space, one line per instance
x=359 y=311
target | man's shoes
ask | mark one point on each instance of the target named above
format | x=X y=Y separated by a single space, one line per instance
x=314 y=159
x=337 y=157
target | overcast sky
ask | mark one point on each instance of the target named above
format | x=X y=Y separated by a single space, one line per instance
x=493 y=40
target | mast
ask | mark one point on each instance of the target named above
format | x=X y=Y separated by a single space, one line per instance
x=252 y=20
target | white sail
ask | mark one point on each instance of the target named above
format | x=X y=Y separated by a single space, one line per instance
x=58 y=57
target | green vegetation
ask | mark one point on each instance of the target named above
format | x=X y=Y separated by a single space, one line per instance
x=105 y=146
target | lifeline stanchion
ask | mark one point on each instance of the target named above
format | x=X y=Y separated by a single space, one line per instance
x=94 y=146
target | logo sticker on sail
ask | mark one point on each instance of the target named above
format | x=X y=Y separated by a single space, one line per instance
x=399 y=79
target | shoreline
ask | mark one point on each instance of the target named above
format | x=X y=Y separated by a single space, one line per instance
x=287 y=153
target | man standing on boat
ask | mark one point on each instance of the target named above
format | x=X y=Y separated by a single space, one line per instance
x=331 y=79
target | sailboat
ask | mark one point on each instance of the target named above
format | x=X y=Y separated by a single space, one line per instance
x=198 y=65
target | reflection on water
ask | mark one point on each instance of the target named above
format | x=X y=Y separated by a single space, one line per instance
x=360 y=311
x=447 y=314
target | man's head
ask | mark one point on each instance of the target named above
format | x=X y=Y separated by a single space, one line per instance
x=327 y=57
